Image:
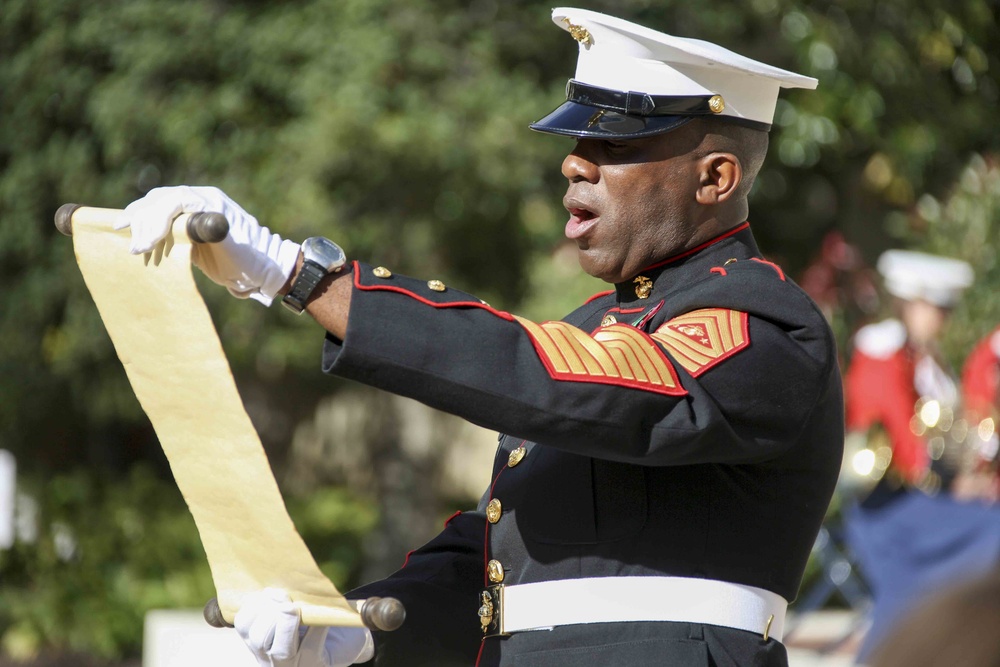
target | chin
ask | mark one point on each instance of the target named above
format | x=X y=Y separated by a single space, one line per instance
x=593 y=267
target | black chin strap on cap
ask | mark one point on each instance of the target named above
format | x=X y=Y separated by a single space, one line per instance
x=639 y=104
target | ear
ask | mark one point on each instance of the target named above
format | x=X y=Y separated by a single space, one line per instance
x=719 y=175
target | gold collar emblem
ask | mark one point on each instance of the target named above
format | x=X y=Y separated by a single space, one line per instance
x=643 y=286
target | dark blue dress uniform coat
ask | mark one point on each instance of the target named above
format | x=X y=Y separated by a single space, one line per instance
x=687 y=423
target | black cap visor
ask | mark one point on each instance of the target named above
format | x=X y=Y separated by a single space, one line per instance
x=580 y=120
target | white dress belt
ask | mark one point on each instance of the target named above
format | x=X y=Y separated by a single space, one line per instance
x=546 y=604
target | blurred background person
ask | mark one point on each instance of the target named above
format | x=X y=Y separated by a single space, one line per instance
x=981 y=402
x=908 y=448
x=897 y=381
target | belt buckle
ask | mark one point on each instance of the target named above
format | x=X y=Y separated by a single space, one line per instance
x=491 y=611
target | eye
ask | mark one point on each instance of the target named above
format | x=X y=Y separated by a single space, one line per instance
x=616 y=147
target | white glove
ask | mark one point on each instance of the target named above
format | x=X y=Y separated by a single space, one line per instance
x=249 y=262
x=269 y=624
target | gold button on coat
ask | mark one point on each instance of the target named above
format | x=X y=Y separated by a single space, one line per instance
x=495 y=571
x=381 y=272
x=436 y=285
x=609 y=320
x=494 y=510
x=515 y=456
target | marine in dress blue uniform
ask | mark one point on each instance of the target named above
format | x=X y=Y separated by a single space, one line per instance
x=687 y=424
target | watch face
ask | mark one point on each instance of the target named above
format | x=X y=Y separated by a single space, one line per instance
x=324 y=252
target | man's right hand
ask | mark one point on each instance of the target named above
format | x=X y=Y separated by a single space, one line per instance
x=270 y=626
x=250 y=262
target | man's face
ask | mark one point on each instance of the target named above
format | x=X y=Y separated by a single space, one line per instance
x=631 y=203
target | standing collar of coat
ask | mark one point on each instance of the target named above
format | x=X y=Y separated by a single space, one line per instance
x=670 y=273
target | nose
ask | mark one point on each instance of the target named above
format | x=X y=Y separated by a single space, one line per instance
x=579 y=164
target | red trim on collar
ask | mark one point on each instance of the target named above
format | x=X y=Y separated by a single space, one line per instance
x=599 y=295
x=413 y=295
x=688 y=253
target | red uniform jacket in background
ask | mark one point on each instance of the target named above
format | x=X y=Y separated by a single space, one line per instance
x=879 y=390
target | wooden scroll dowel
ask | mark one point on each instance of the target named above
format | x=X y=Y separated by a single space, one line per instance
x=385 y=614
x=201 y=227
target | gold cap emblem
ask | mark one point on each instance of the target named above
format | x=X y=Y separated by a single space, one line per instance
x=436 y=285
x=643 y=286
x=381 y=272
x=578 y=32
x=716 y=104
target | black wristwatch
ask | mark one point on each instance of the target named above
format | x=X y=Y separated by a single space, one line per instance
x=321 y=257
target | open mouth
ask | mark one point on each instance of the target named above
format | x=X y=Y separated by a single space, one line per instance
x=581 y=220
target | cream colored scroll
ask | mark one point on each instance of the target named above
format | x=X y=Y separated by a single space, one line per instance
x=168 y=345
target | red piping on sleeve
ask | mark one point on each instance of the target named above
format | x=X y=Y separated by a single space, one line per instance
x=718 y=269
x=413 y=295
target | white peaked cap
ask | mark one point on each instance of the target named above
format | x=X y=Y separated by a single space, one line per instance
x=627 y=58
x=915 y=275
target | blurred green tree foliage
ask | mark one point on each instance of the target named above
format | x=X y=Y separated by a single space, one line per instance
x=966 y=224
x=110 y=549
x=399 y=128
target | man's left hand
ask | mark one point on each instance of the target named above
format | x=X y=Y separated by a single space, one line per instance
x=269 y=624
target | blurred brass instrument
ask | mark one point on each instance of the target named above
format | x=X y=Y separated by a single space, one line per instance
x=955 y=448
x=867 y=455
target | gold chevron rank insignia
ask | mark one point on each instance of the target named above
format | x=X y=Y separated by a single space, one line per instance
x=703 y=338
x=617 y=354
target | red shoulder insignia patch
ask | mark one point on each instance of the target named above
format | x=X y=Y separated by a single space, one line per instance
x=703 y=338
x=617 y=355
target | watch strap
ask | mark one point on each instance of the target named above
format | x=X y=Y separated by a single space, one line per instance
x=305 y=283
